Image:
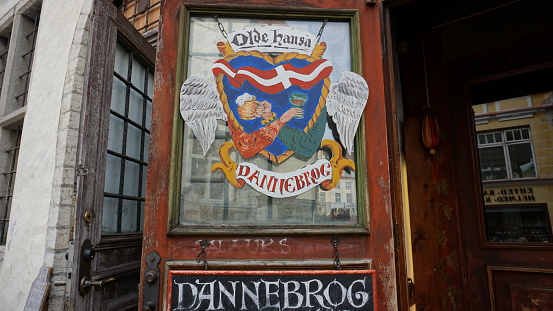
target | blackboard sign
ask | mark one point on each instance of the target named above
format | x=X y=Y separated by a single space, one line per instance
x=341 y=290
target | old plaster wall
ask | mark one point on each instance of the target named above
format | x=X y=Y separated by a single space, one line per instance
x=41 y=216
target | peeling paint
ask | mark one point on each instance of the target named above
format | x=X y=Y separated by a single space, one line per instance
x=388 y=275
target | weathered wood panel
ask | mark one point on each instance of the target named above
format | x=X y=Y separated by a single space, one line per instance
x=379 y=245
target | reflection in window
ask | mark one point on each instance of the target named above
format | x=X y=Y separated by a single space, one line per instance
x=208 y=198
x=518 y=223
x=516 y=166
x=349 y=198
x=506 y=154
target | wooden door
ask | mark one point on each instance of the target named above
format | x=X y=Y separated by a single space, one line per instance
x=506 y=226
x=481 y=206
x=112 y=162
x=198 y=218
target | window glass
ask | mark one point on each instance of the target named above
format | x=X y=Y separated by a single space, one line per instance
x=492 y=163
x=515 y=162
x=512 y=159
x=522 y=161
x=128 y=138
x=206 y=196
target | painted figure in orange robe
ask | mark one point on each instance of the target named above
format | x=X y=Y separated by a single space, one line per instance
x=250 y=144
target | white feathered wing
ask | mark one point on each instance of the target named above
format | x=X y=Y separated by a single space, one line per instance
x=200 y=108
x=345 y=103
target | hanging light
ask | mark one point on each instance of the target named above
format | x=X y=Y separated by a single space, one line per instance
x=429 y=124
x=430 y=130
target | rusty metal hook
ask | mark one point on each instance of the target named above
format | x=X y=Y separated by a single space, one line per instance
x=204 y=244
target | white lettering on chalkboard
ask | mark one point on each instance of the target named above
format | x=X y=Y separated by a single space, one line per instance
x=239 y=295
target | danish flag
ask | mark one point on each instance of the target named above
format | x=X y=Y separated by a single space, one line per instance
x=277 y=79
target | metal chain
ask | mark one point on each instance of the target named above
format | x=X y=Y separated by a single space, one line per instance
x=321 y=30
x=204 y=244
x=224 y=32
x=335 y=241
x=221 y=27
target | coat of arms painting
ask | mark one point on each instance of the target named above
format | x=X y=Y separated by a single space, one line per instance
x=271 y=112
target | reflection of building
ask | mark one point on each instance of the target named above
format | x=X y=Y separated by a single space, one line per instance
x=515 y=145
x=340 y=202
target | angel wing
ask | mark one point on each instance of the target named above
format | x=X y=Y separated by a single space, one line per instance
x=200 y=108
x=345 y=103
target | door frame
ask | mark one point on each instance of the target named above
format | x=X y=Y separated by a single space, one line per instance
x=482 y=257
x=386 y=240
x=107 y=26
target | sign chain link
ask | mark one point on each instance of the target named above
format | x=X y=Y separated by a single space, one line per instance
x=204 y=244
x=224 y=32
x=321 y=30
x=335 y=241
x=221 y=27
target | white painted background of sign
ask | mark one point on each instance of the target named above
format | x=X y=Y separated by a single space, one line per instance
x=271 y=39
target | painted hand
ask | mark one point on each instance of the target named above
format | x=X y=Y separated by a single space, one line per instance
x=292 y=112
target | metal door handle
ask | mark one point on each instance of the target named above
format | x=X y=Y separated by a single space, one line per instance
x=86 y=282
x=411 y=292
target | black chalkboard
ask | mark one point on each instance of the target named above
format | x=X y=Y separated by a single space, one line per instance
x=311 y=290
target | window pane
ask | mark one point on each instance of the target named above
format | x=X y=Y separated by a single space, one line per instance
x=124 y=195
x=146 y=147
x=522 y=161
x=134 y=142
x=122 y=61
x=148 y=114
x=115 y=134
x=131 y=179
x=519 y=223
x=118 y=95
x=113 y=174
x=138 y=75
x=143 y=184
x=207 y=197
x=481 y=139
x=525 y=134
x=136 y=106
x=129 y=216
x=509 y=135
x=150 y=91
x=518 y=205
x=109 y=215
x=492 y=163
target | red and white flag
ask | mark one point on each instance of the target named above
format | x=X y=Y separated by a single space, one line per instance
x=277 y=79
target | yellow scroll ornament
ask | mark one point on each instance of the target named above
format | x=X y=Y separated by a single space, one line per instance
x=337 y=162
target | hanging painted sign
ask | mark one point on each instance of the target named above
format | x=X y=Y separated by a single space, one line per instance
x=275 y=107
x=271 y=290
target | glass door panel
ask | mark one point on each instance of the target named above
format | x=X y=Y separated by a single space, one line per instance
x=516 y=165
